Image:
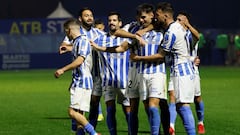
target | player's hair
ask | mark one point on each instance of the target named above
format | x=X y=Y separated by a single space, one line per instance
x=165 y=7
x=82 y=10
x=71 y=22
x=117 y=14
x=185 y=13
x=145 y=7
x=98 y=21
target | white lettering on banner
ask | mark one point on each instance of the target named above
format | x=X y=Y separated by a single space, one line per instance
x=13 y=61
x=53 y=25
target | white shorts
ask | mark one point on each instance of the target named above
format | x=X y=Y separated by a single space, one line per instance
x=111 y=93
x=153 y=85
x=133 y=83
x=184 y=88
x=80 y=99
x=97 y=87
x=170 y=84
x=197 y=86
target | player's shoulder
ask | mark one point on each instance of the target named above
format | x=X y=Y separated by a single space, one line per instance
x=98 y=31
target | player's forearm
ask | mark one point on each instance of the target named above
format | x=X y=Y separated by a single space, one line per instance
x=117 y=49
x=151 y=58
x=76 y=63
x=124 y=34
x=195 y=33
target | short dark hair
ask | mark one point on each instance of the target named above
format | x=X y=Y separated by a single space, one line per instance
x=165 y=7
x=71 y=21
x=117 y=14
x=185 y=13
x=98 y=21
x=83 y=9
x=145 y=7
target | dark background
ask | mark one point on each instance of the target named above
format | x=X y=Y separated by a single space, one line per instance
x=205 y=13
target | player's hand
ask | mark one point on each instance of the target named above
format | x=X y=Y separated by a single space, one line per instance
x=140 y=40
x=64 y=49
x=94 y=45
x=133 y=57
x=140 y=32
x=197 y=61
x=58 y=73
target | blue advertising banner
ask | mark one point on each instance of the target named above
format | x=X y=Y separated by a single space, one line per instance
x=33 y=61
x=32 y=26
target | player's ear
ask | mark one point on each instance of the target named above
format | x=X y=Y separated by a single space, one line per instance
x=80 y=19
x=120 y=23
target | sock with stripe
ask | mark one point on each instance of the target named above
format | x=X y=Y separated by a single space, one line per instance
x=173 y=114
x=187 y=117
x=90 y=129
x=111 y=120
x=200 y=110
x=154 y=120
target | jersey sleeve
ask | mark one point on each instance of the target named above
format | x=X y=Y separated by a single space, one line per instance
x=84 y=47
x=168 y=41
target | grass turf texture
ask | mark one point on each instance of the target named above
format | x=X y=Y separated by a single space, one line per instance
x=33 y=102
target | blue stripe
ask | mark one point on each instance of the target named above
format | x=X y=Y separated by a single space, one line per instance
x=187 y=68
x=172 y=41
x=180 y=69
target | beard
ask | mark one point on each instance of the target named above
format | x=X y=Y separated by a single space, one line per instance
x=88 y=25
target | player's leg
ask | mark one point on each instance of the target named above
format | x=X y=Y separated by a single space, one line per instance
x=184 y=93
x=133 y=94
x=100 y=113
x=95 y=101
x=199 y=105
x=93 y=113
x=156 y=86
x=165 y=116
x=80 y=118
x=125 y=102
x=172 y=111
x=80 y=100
x=109 y=97
x=133 y=119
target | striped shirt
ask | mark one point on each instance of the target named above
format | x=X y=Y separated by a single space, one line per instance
x=91 y=34
x=114 y=70
x=82 y=77
x=133 y=27
x=176 y=41
x=153 y=40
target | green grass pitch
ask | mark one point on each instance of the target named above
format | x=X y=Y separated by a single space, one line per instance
x=33 y=102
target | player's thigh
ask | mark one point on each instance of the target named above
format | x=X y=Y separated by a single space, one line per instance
x=133 y=84
x=157 y=85
x=184 y=88
x=80 y=99
x=197 y=86
x=97 y=87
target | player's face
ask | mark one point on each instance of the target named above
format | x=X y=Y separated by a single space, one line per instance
x=68 y=33
x=87 y=18
x=100 y=26
x=114 y=23
x=181 y=19
x=146 y=19
x=160 y=16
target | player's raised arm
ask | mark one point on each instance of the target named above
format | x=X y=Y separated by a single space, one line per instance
x=116 y=49
x=151 y=58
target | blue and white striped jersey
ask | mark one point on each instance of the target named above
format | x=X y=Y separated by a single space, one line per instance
x=133 y=27
x=193 y=51
x=153 y=40
x=176 y=41
x=91 y=34
x=82 y=77
x=114 y=70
